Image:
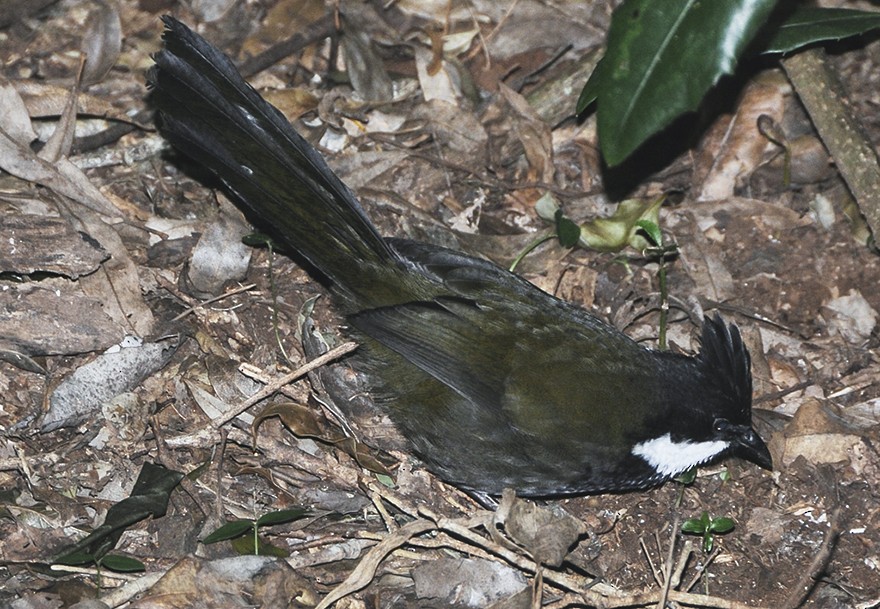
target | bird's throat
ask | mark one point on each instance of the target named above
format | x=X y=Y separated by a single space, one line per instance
x=670 y=458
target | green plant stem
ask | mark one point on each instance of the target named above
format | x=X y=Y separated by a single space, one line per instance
x=528 y=249
x=664 y=302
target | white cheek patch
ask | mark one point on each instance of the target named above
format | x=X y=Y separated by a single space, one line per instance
x=670 y=458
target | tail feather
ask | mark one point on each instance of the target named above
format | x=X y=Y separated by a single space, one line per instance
x=209 y=112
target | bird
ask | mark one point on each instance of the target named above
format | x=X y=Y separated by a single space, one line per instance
x=495 y=383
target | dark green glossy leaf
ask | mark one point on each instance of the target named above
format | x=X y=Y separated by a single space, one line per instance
x=149 y=497
x=281 y=516
x=75 y=559
x=722 y=525
x=693 y=526
x=652 y=230
x=809 y=25
x=230 y=530
x=591 y=90
x=122 y=564
x=662 y=58
x=566 y=230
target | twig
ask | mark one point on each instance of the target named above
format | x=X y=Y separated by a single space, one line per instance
x=701 y=571
x=668 y=568
x=319 y=30
x=823 y=97
x=366 y=569
x=804 y=587
x=657 y=573
x=200 y=305
x=286 y=380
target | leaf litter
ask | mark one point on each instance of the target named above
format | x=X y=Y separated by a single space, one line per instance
x=802 y=287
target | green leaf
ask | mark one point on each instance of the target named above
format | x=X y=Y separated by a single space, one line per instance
x=566 y=230
x=230 y=530
x=281 y=516
x=809 y=25
x=694 y=526
x=652 y=229
x=122 y=564
x=662 y=58
x=687 y=477
x=385 y=480
x=621 y=229
x=149 y=497
x=75 y=559
x=546 y=207
x=722 y=525
x=591 y=90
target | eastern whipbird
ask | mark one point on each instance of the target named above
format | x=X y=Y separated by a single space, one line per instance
x=494 y=382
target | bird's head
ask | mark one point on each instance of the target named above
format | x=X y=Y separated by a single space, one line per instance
x=710 y=407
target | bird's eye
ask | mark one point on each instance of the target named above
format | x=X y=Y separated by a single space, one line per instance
x=720 y=425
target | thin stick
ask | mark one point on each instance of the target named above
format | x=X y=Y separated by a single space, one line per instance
x=286 y=380
x=804 y=587
x=200 y=305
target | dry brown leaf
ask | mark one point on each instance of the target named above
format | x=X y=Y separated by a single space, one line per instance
x=44 y=100
x=227 y=582
x=819 y=433
x=534 y=134
x=546 y=532
x=306 y=422
x=61 y=141
x=14 y=119
x=733 y=148
x=116 y=284
x=83 y=393
x=438 y=82
x=471 y=582
x=365 y=68
x=101 y=42
x=293 y=102
x=63 y=176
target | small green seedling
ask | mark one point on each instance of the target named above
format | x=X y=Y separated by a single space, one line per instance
x=708 y=528
x=253 y=545
x=687 y=478
x=111 y=562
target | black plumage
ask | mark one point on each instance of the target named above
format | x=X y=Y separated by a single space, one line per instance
x=494 y=382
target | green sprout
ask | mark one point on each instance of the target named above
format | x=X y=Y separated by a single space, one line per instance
x=708 y=528
x=235 y=529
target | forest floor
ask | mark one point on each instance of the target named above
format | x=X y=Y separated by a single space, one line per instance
x=111 y=241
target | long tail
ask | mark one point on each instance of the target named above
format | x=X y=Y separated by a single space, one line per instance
x=211 y=114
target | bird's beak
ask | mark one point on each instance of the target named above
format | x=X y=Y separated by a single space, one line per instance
x=749 y=446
